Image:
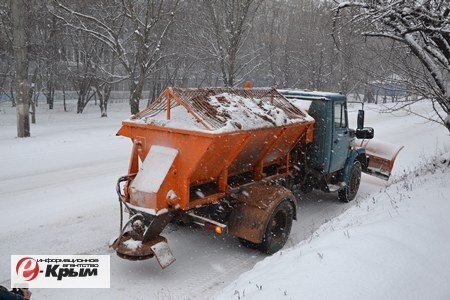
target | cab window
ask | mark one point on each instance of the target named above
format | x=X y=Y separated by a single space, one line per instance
x=340 y=120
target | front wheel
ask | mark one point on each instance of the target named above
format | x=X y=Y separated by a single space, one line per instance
x=348 y=193
x=278 y=228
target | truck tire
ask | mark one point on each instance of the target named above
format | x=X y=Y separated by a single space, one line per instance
x=348 y=193
x=278 y=228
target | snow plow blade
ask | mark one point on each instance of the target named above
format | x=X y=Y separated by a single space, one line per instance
x=381 y=155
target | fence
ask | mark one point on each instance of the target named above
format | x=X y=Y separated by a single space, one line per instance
x=71 y=96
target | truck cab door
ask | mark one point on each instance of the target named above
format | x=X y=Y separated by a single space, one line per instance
x=341 y=139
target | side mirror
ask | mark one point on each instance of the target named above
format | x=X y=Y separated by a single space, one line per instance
x=366 y=133
x=360 y=122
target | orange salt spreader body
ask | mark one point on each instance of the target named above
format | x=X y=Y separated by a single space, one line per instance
x=226 y=159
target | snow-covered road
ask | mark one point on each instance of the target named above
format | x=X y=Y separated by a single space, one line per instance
x=57 y=196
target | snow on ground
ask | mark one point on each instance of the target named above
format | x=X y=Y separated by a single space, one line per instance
x=391 y=245
x=57 y=196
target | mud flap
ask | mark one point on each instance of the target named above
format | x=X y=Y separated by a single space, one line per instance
x=258 y=201
x=163 y=254
x=382 y=156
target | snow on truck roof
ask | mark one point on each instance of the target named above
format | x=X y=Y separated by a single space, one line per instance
x=221 y=109
x=302 y=99
x=311 y=95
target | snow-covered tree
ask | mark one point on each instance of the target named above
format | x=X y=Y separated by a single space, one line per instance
x=218 y=33
x=6 y=54
x=423 y=26
x=135 y=31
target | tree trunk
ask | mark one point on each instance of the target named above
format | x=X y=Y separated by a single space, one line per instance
x=52 y=97
x=103 y=107
x=33 y=104
x=33 y=98
x=134 y=102
x=13 y=98
x=82 y=97
x=86 y=101
x=135 y=95
x=33 y=111
x=103 y=98
x=50 y=94
x=18 y=11
x=106 y=99
x=80 y=103
x=64 y=98
x=103 y=110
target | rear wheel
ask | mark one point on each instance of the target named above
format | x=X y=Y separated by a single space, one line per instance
x=278 y=228
x=348 y=193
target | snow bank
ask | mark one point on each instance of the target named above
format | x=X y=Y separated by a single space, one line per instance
x=233 y=111
x=393 y=245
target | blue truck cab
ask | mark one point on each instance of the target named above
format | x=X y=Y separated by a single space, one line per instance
x=331 y=162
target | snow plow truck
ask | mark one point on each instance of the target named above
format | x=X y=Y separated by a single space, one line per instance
x=230 y=160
